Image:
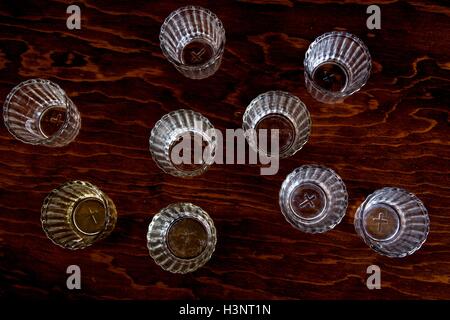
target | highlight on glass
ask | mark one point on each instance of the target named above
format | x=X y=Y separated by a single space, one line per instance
x=39 y=112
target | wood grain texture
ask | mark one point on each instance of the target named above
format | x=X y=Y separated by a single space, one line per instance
x=395 y=132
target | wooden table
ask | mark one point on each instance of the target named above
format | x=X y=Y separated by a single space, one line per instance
x=395 y=132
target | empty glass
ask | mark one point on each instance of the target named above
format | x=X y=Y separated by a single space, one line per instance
x=181 y=238
x=183 y=143
x=39 y=112
x=337 y=64
x=278 y=110
x=77 y=214
x=393 y=222
x=192 y=38
x=313 y=199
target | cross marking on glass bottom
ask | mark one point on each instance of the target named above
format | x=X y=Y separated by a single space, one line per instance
x=93 y=215
x=56 y=119
x=380 y=221
x=197 y=56
x=328 y=77
x=308 y=201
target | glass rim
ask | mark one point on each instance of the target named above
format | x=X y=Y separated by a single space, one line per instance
x=217 y=56
x=68 y=103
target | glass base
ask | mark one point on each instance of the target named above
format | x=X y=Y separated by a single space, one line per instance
x=308 y=201
x=187 y=238
x=197 y=52
x=330 y=76
x=381 y=222
x=194 y=145
x=51 y=120
x=89 y=217
x=286 y=131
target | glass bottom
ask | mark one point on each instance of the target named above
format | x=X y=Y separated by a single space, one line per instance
x=330 y=76
x=381 y=222
x=187 y=238
x=308 y=201
x=187 y=151
x=89 y=216
x=51 y=120
x=286 y=131
x=197 y=52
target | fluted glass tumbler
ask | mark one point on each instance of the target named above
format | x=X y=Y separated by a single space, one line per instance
x=313 y=199
x=183 y=143
x=393 y=222
x=181 y=238
x=77 y=214
x=281 y=111
x=192 y=38
x=39 y=112
x=337 y=64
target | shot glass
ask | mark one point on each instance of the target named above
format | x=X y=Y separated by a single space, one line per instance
x=313 y=199
x=39 y=112
x=393 y=222
x=192 y=38
x=181 y=238
x=77 y=214
x=183 y=143
x=277 y=110
x=337 y=64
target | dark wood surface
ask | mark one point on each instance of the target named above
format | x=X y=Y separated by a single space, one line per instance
x=395 y=132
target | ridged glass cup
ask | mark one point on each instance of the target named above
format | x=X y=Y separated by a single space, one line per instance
x=278 y=110
x=187 y=130
x=77 y=214
x=393 y=222
x=39 y=112
x=337 y=64
x=192 y=38
x=181 y=238
x=313 y=199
